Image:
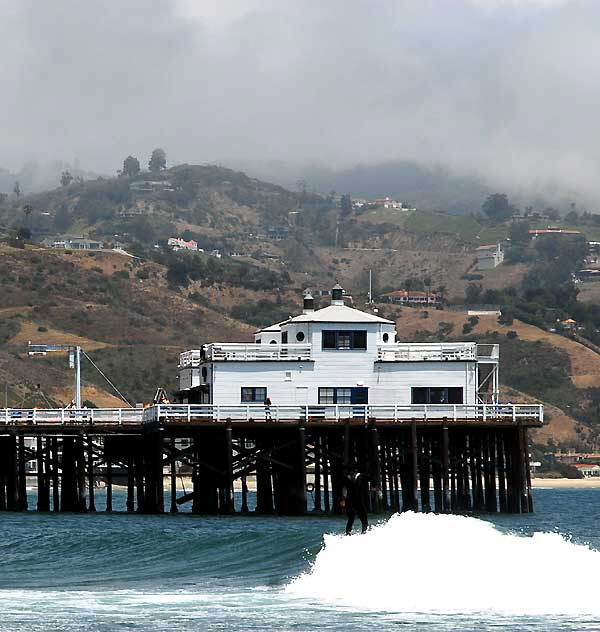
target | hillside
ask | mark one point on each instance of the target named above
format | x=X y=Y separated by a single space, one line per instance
x=135 y=310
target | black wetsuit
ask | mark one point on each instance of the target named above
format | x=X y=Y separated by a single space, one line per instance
x=354 y=495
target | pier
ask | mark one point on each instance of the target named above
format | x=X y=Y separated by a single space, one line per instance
x=447 y=458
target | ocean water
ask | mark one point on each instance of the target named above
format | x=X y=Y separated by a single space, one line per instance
x=105 y=572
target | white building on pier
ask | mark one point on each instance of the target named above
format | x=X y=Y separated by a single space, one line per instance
x=338 y=355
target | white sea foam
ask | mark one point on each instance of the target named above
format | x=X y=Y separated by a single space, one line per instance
x=453 y=564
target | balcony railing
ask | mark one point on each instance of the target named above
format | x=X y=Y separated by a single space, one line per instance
x=416 y=352
x=71 y=416
x=488 y=352
x=244 y=352
x=340 y=412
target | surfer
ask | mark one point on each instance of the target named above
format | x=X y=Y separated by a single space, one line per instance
x=353 y=500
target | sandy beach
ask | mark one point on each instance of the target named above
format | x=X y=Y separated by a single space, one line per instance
x=566 y=483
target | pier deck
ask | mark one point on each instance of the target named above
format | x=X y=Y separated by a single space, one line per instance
x=446 y=458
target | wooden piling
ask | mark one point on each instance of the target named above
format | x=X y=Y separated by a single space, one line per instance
x=109 y=483
x=91 y=479
x=173 y=508
x=22 y=474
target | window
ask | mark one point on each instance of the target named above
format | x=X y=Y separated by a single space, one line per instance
x=437 y=395
x=344 y=395
x=284 y=337
x=253 y=394
x=300 y=336
x=345 y=339
x=386 y=337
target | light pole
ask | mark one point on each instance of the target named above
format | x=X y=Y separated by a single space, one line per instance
x=74 y=362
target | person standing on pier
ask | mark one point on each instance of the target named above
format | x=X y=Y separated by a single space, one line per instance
x=353 y=500
x=267 y=404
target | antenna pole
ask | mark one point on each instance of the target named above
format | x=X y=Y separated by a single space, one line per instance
x=78 y=376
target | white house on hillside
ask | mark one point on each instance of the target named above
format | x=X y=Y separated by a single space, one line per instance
x=338 y=355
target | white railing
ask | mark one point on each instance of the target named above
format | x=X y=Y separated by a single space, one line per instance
x=68 y=416
x=488 y=352
x=244 y=353
x=417 y=352
x=338 y=412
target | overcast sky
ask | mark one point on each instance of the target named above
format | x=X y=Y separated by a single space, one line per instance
x=506 y=88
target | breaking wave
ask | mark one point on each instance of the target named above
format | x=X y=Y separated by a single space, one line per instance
x=453 y=564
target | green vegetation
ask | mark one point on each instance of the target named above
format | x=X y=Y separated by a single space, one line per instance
x=426 y=223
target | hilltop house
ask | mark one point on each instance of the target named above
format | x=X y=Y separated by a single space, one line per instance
x=552 y=230
x=413 y=298
x=336 y=356
x=489 y=257
x=77 y=243
x=176 y=243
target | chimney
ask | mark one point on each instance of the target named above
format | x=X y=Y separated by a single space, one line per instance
x=337 y=295
x=308 y=304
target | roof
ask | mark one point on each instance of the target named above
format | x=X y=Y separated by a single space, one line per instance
x=275 y=327
x=338 y=314
x=488 y=247
x=585 y=466
x=412 y=294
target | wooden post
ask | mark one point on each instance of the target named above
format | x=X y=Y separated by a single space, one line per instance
x=12 y=490
x=244 y=481
x=327 y=502
x=528 y=472
x=425 y=472
x=229 y=507
x=139 y=481
x=80 y=473
x=395 y=457
x=501 y=469
x=414 y=465
x=130 y=482
x=91 y=480
x=43 y=501
x=301 y=482
x=173 y=508
x=3 y=464
x=23 y=505
x=317 y=477
x=109 y=489
x=524 y=470
x=445 y=445
x=375 y=470
x=384 y=472
x=264 y=485
x=55 y=475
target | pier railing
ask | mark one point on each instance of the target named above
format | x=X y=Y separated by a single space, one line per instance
x=71 y=416
x=342 y=412
x=416 y=352
x=244 y=353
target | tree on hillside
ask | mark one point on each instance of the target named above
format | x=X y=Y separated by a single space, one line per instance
x=346 y=205
x=519 y=231
x=17 y=189
x=66 y=178
x=131 y=166
x=27 y=210
x=497 y=207
x=473 y=293
x=158 y=160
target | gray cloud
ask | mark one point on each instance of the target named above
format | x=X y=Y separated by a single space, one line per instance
x=504 y=88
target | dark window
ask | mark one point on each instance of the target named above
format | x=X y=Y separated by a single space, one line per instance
x=253 y=394
x=437 y=395
x=300 y=336
x=284 y=337
x=344 y=395
x=386 y=337
x=345 y=339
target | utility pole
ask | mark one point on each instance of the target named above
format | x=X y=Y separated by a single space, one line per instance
x=74 y=352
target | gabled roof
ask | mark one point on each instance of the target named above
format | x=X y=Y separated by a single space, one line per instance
x=338 y=314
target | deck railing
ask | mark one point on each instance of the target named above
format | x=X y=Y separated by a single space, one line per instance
x=245 y=352
x=417 y=352
x=71 y=416
x=340 y=412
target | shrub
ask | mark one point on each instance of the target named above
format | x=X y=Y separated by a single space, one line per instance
x=42 y=329
x=511 y=335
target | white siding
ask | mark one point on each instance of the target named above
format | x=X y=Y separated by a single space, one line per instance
x=388 y=382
